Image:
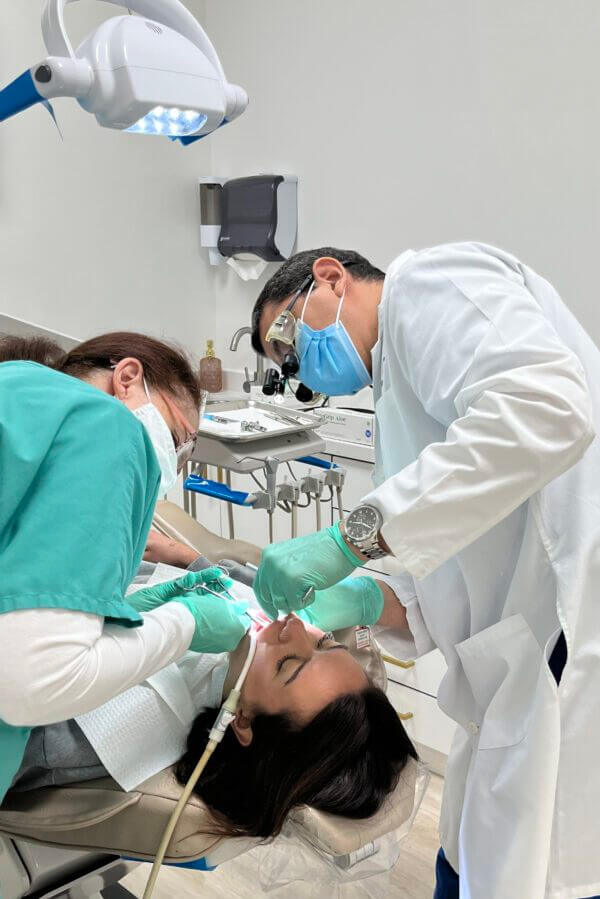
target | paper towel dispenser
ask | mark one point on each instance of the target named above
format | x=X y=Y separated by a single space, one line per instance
x=245 y=218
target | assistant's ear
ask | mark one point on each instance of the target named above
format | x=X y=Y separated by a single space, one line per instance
x=242 y=728
x=327 y=270
x=127 y=377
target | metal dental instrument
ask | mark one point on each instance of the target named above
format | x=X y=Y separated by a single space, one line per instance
x=203 y=588
x=218 y=419
x=282 y=418
x=252 y=426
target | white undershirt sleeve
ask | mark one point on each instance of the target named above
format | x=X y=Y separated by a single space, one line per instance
x=58 y=663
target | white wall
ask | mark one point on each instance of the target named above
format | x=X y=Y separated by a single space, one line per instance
x=100 y=231
x=408 y=122
x=414 y=122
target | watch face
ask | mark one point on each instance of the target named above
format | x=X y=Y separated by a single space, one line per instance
x=362 y=523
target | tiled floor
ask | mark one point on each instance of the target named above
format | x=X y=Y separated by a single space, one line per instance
x=238 y=879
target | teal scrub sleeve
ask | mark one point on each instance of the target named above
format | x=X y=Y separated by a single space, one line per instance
x=78 y=485
x=13 y=741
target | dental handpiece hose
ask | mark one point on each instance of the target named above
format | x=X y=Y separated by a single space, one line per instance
x=224 y=718
x=340 y=506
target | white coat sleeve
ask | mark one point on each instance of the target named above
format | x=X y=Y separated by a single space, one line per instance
x=484 y=361
x=416 y=640
x=57 y=664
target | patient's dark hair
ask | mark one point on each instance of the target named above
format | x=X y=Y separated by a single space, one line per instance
x=345 y=762
x=165 y=367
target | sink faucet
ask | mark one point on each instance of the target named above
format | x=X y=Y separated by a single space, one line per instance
x=258 y=377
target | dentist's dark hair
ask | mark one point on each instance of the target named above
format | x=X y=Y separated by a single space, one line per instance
x=345 y=762
x=290 y=275
x=166 y=367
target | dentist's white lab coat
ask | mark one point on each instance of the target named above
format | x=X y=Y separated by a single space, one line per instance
x=487 y=397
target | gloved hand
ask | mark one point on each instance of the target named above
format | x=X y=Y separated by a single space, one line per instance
x=220 y=622
x=288 y=570
x=355 y=600
x=152 y=597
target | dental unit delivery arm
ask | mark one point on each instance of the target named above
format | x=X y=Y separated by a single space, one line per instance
x=57 y=663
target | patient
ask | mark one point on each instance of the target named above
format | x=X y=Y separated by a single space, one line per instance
x=310 y=729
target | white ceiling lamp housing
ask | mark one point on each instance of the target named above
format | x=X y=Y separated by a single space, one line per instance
x=156 y=73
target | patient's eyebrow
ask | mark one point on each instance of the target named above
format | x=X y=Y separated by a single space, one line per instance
x=300 y=667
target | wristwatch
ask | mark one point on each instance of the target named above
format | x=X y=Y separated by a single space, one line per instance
x=361 y=530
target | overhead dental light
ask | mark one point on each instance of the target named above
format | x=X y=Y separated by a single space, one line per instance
x=156 y=73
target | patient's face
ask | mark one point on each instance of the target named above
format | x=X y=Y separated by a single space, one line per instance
x=299 y=669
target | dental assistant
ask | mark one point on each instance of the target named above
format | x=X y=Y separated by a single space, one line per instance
x=487 y=398
x=87 y=439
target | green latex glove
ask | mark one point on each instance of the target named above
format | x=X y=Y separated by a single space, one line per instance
x=220 y=623
x=355 y=600
x=152 y=597
x=289 y=569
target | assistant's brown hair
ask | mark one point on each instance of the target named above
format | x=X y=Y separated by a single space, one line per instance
x=166 y=367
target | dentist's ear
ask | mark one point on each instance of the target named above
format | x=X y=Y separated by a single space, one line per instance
x=328 y=270
x=242 y=728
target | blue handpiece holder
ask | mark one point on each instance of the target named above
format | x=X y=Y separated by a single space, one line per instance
x=317 y=462
x=217 y=490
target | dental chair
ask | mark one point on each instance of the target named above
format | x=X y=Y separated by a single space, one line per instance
x=78 y=841
x=172 y=521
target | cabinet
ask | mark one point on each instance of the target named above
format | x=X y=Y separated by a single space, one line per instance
x=429 y=729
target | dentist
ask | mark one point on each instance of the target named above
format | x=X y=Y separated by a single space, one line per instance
x=487 y=398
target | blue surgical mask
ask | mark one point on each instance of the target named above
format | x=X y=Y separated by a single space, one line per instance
x=329 y=361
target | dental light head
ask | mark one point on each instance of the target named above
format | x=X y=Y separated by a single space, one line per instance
x=156 y=73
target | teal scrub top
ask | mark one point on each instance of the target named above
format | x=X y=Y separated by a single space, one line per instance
x=78 y=485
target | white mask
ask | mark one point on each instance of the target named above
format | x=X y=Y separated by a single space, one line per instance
x=161 y=440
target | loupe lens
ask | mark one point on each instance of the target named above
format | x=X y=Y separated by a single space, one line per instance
x=304 y=394
x=290 y=365
x=271 y=382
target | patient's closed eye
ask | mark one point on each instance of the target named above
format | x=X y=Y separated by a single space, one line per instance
x=285 y=659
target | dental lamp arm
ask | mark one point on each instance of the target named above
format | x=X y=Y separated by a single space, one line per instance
x=53 y=77
x=171 y=13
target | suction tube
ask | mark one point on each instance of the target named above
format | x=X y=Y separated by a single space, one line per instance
x=224 y=719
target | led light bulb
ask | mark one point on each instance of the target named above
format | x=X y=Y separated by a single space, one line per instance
x=173 y=121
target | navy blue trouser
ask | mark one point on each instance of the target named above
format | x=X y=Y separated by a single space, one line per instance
x=446 y=878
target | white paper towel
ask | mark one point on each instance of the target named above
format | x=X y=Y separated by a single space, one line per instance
x=247 y=269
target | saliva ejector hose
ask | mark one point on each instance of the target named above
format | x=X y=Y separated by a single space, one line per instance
x=224 y=718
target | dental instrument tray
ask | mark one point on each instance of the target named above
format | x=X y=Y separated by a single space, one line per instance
x=244 y=420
